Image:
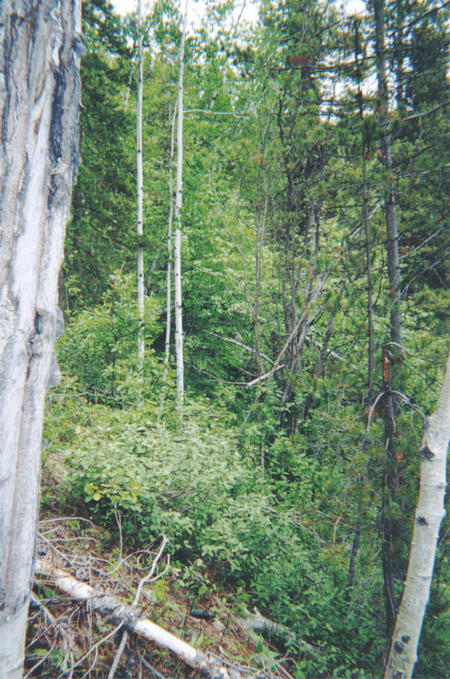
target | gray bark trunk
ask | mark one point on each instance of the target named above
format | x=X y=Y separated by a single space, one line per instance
x=429 y=514
x=391 y=560
x=390 y=209
x=40 y=46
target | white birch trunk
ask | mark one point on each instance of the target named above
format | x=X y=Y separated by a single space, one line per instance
x=177 y=239
x=429 y=514
x=140 y=195
x=40 y=45
x=169 y=247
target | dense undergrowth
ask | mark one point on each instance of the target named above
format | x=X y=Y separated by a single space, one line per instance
x=278 y=487
x=289 y=523
x=281 y=544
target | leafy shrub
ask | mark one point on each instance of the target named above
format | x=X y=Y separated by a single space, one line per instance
x=99 y=346
x=190 y=481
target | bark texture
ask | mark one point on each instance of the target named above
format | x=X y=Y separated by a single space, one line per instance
x=40 y=47
x=428 y=517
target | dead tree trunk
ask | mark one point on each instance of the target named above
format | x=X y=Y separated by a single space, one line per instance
x=392 y=350
x=390 y=208
x=429 y=514
x=40 y=46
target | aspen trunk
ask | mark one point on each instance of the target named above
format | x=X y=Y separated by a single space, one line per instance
x=40 y=46
x=169 y=248
x=429 y=514
x=177 y=239
x=140 y=196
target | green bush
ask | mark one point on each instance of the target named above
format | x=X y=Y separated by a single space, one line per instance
x=189 y=480
x=99 y=346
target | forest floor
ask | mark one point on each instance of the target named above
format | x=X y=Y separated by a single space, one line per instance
x=68 y=639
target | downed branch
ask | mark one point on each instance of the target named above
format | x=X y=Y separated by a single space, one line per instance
x=118 y=613
x=256 y=622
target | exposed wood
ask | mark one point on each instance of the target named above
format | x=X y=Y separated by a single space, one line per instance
x=428 y=517
x=118 y=613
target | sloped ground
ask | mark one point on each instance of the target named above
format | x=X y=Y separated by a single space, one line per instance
x=66 y=639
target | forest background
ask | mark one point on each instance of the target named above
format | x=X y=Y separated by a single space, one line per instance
x=276 y=479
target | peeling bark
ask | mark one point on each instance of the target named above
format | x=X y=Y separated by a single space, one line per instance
x=429 y=514
x=40 y=47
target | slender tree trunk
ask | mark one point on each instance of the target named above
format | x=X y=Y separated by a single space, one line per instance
x=40 y=46
x=392 y=350
x=365 y=219
x=367 y=243
x=389 y=488
x=392 y=234
x=177 y=240
x=429 y=514
x=169 y=248
x=140 y=197
x=399 y=50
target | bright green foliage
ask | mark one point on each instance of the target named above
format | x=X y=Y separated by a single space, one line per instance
x=99 y=347
x=273 y=489
x=100 y=235
x=193 y=485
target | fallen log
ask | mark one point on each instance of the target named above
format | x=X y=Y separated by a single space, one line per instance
x=256 y=622
x=118 y=613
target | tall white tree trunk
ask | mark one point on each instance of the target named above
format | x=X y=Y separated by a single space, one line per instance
x=140 y=195
x=177 y=239
x=169 y=247
x=40 y=46
x=429 y=514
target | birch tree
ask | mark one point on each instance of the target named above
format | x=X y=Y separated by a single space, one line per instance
x=40 y=46
x=140 y=194
x=177 y=238
x=429 y=514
